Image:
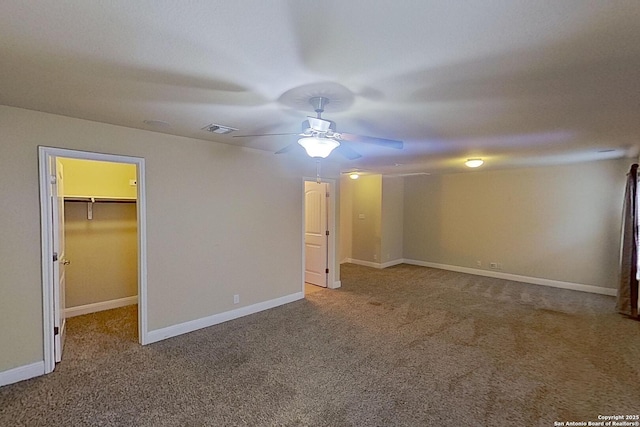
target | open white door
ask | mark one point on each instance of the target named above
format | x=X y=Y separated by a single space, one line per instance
x=59 y=260
x=315 y=233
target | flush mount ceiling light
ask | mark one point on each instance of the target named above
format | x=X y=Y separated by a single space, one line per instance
x=354 y=175
x=474 y=163
x=318 y=147
x=157 y=124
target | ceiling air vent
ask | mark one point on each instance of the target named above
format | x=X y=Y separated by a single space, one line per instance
x=214 y=128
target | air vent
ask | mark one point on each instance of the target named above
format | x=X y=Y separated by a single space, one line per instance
x=214 y=128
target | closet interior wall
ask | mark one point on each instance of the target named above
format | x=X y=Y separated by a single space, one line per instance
x=100 y=235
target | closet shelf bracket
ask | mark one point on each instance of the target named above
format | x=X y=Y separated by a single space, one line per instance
x=90 y=208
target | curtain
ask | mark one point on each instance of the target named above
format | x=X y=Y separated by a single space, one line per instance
x=628 y=290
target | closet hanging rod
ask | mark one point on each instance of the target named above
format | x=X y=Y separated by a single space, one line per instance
x=99 y=200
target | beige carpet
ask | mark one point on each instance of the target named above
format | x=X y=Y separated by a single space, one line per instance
x=404 y=346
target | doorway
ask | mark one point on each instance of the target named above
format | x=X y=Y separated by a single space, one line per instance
x=319 y=235
x=54 y=261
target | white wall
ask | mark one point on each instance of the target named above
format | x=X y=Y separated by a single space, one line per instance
x=212 y=232
x=560 y=223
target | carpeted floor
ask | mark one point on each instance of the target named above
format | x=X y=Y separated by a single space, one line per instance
x=404 y=346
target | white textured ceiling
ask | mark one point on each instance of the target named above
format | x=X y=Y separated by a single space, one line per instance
x=517 y=83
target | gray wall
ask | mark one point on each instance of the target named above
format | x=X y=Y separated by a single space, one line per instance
x=560 y=222
x=366 y=210
x=346 y=218
x=392 y=221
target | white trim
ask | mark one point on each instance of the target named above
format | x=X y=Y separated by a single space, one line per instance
x=205 y=322
x=141 y=184
x=364 y=263
x=337 y=284
x=517 y=278
x=46 y=261
x=100 y=306
x=392 y=263
x=44 y=154
x=21 y=373
x=495 y=274
x=375 y=264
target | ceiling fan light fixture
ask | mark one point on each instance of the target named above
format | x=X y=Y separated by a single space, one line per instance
x=474 y=163
x=318 y=147
x=318 y=124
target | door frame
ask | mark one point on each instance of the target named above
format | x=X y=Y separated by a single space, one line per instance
x=47 y=227
x=332 y=283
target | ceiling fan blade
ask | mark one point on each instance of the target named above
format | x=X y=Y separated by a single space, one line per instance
x=267 y=134
x=285 y=149
x=391 y=143
x=347 y=152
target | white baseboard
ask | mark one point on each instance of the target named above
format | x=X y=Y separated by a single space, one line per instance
x=364 y=263
x=517 y=278
x=100 y=306
x=337 y=284
x=21 y=373
x=392 y=263
x=376 y=264
x=205 y=322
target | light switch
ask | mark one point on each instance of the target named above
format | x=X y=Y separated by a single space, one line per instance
x=360 y=216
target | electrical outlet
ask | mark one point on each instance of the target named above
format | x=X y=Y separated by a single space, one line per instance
x=478 y=263
x=236 y=299
x=493 y=265
x=375 y=257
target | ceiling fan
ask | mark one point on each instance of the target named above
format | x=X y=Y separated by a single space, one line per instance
x=319 y=136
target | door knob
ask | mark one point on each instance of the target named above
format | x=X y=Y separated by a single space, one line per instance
x=66 y=262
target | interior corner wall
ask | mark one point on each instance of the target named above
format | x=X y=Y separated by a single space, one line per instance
x=205 y=223
x=346 y=214
x=557 y=222
x=392 y=220
x=366 y=218
x=374 y=206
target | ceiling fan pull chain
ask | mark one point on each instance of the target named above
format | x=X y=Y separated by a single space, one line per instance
x=318 y=180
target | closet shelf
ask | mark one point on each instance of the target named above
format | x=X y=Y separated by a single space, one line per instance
x=100 y=199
